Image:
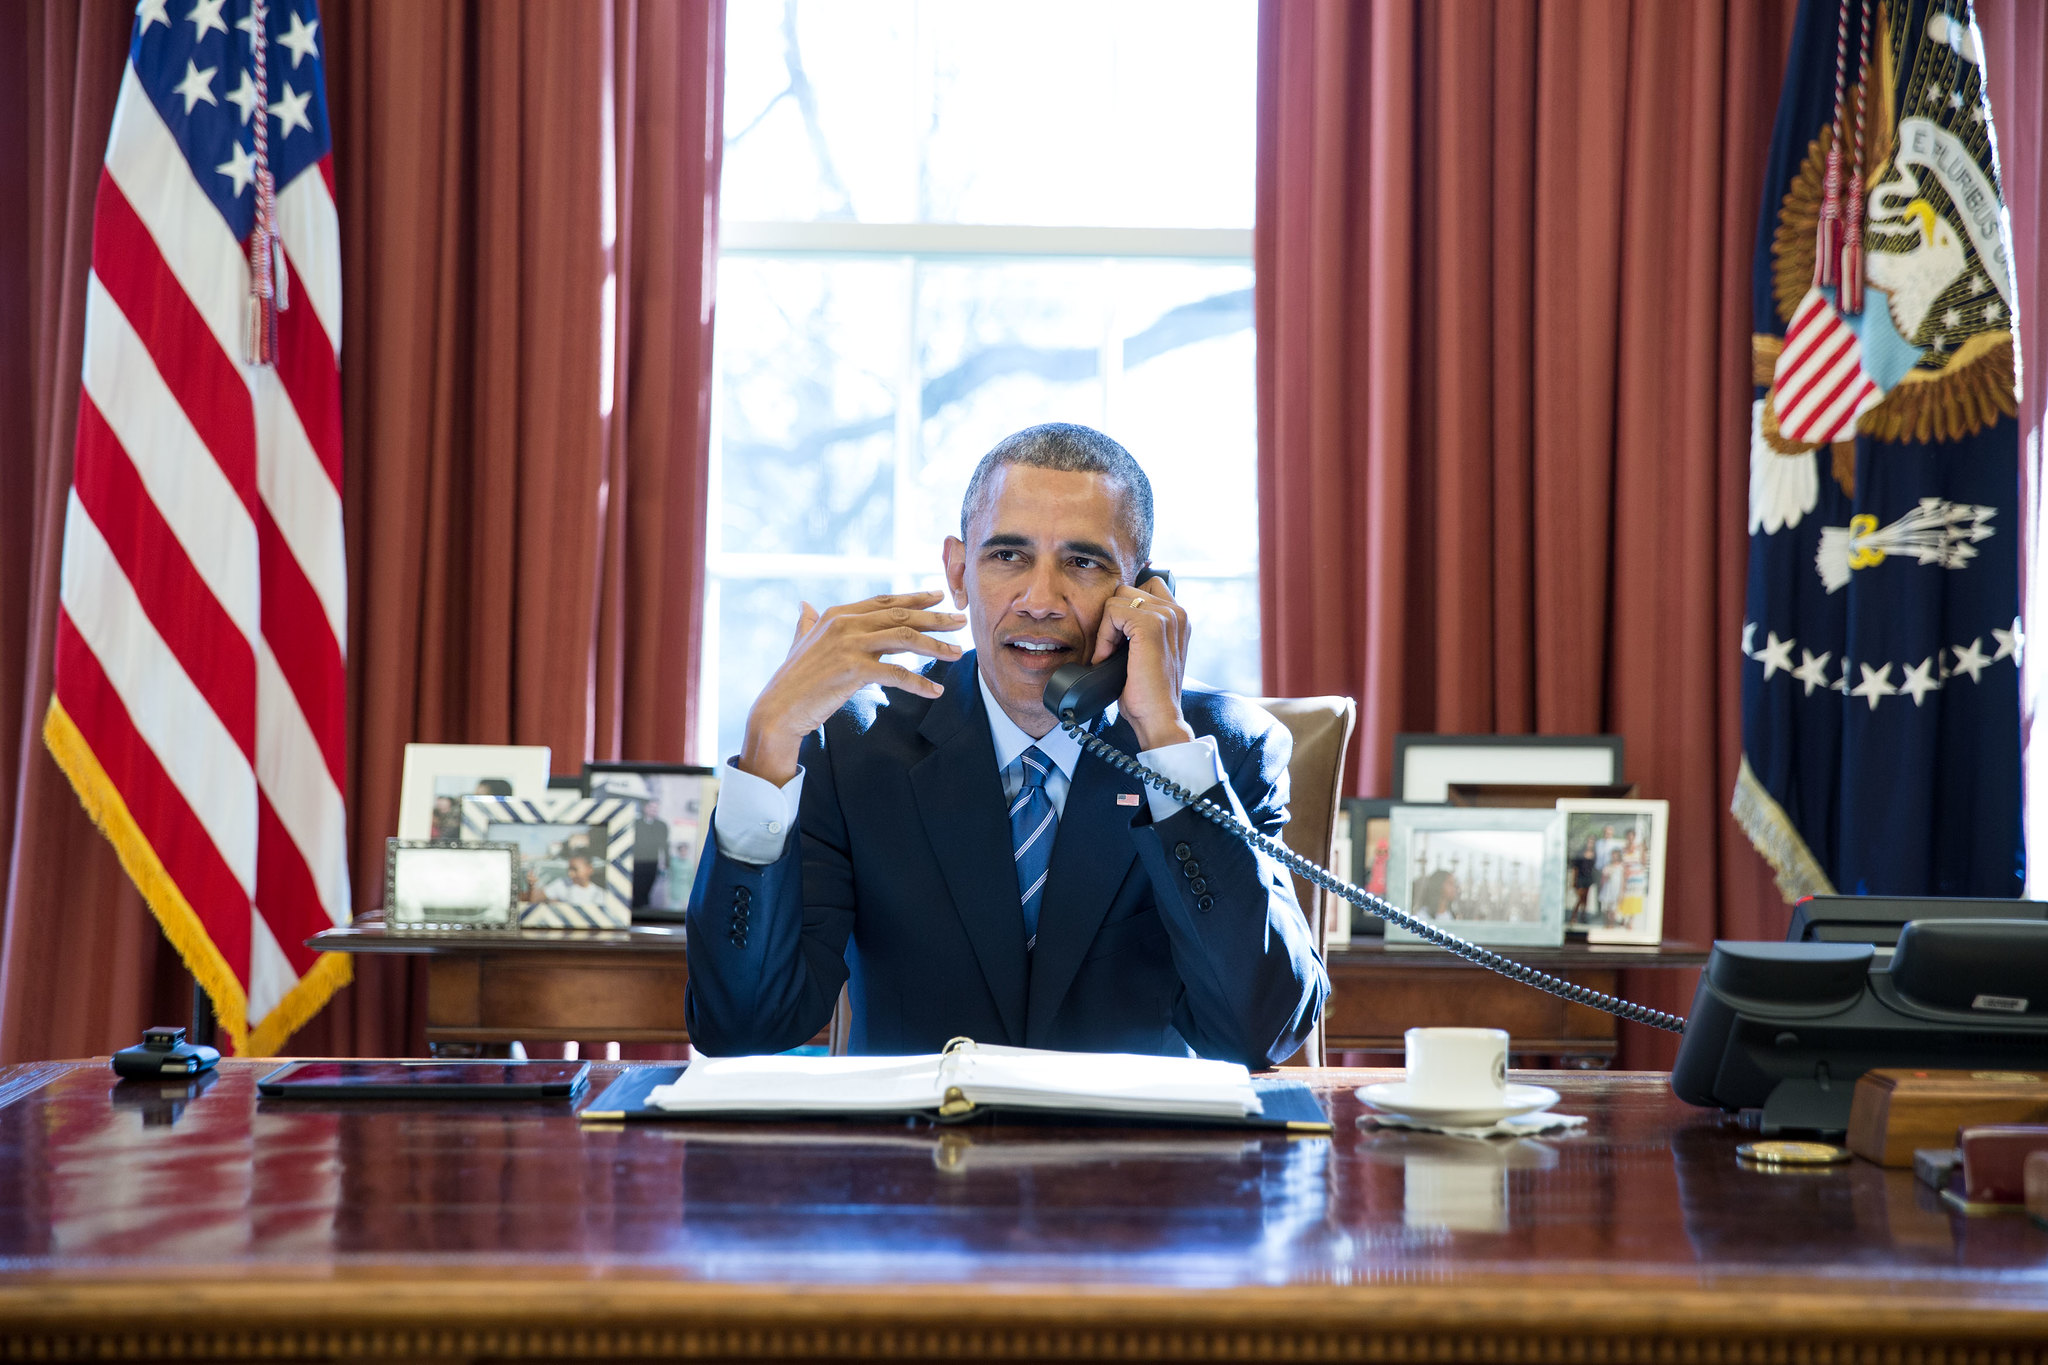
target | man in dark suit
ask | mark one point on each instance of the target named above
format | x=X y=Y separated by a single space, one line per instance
x=934 y=839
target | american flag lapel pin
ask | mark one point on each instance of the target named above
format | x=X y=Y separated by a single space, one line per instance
x=1127 y=798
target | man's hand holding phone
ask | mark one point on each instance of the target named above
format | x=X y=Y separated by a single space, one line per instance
x=1156 y=629
x=837 y=652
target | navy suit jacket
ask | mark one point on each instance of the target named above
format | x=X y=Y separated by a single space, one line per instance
x=901 y=882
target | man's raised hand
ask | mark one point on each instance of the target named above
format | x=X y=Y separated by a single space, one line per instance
x=837 y=652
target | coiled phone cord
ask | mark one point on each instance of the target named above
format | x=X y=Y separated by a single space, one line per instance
x=1365 y=900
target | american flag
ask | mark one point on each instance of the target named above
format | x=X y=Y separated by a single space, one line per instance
x=198 y=701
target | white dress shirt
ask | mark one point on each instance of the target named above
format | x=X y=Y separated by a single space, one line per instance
x=754 y=816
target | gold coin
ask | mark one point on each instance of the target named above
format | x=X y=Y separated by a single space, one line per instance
x=1792 y=1153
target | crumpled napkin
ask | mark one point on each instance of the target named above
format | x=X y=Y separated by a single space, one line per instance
x=1525 y=1125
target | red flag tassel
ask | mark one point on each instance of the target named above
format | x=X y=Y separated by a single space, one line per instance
x=1852 y=226
x=1827 y=245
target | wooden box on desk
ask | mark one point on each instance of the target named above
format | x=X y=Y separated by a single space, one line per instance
x=1894 y=1111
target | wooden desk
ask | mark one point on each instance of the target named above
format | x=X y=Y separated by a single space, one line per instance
x=1378 y=992
x=135 y=1225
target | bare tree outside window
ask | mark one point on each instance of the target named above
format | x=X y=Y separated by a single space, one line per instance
x=945 y=222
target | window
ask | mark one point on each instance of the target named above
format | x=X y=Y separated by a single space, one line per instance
x=944 y=222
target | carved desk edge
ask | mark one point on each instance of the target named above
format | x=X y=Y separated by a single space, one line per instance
x=465 y=1317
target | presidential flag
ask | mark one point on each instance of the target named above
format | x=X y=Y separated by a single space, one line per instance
x=1881 y=641
x=198 y=700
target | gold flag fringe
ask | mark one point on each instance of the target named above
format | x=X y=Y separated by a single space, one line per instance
x=1772 y=833
x=180 y=922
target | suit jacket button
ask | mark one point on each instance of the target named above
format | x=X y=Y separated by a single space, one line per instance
x=1182 y=851
x=1200 y=886
x=741 y=896
x=1191 y=869
x=1205 y=903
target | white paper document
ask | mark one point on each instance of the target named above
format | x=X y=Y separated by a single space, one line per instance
x=971 y=1075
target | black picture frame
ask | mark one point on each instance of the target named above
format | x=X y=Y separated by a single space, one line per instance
x=1506 y=769
x=648 y=838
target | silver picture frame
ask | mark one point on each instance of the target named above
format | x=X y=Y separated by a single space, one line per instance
x=1488 y=874
x=433 y=887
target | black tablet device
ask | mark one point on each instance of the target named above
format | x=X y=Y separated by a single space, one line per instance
x=403 y=1080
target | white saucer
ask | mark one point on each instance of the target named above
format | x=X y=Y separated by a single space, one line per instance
x=1393 y=1097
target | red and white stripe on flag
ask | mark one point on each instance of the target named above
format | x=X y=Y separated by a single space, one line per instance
x=1819 y=387
x=198 y=706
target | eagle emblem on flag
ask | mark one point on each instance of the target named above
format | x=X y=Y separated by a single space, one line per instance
x=1880 y=736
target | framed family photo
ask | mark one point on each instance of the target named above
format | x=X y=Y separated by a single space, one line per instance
x=575 y=856
x=438 y=776
x=1488 y=875
x=675 y=801
x=1370 y=822
x=1613 y=880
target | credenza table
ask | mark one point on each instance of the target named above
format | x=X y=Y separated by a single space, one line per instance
x=486 y=991
x=195 y=1221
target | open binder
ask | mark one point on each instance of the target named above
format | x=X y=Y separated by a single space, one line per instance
x=967 y=1081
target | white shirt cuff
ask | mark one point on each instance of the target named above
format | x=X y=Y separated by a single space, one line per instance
x=754 y=816
x=1194 y=765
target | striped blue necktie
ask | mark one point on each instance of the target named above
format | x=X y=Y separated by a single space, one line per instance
x=1031 y=830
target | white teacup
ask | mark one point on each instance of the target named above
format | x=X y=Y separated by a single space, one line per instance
x=1458 y=1068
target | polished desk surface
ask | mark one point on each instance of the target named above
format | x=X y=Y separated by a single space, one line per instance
x=138 y=1223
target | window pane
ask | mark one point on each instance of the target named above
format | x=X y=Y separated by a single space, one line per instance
x=1002 y=345
x=1223 y=631
x=755 y=620
x=1184 y=406
x=1121 y=113
x=810 y=356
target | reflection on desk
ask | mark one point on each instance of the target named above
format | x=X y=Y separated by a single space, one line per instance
x=463 y=1230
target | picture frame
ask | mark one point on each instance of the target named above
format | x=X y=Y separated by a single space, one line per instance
x=676 y=801
x=1368 y=817
x=1425 y=766
x=1487 y=874
x=576 y=856
x=437 y=776
x=432 y=887
x=1542 y=796
x=1622 y=899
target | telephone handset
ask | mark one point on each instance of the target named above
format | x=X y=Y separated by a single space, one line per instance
x=1086 y=690
x=1078 y=693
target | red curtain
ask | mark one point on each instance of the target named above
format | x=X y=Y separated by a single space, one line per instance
x=525 y=398
x=1503 y=258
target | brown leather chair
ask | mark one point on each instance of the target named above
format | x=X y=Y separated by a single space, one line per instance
x=1321 y=727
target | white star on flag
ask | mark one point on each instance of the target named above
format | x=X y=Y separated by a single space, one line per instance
x=1876 y=685
x=291 y=111
x=240 y=168
x=300 y=40
x=1775 y=654
x=152 y=12
x=2009 y=642
x=243 y=96
x=205 y=17
x=1919 y=680
x=1811 y=671
x=197 y=85
x=1972 y=660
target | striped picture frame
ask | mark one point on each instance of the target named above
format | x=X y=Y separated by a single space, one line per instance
x=534 y=824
